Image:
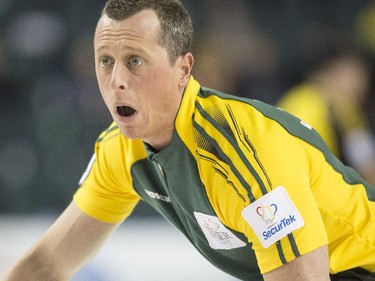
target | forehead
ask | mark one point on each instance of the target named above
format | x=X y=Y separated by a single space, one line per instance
x=142 y=25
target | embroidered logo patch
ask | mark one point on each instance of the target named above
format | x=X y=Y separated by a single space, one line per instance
x=268 y=213
x=273 y=216
x=218 y=236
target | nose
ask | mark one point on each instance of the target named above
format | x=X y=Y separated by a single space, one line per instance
x=118 y=79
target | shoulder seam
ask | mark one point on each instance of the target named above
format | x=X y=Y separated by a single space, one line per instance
x=107 y=134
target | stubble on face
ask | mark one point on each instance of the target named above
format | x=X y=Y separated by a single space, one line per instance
x=152 y=87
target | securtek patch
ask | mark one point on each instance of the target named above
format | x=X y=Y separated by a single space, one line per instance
x=273 y=216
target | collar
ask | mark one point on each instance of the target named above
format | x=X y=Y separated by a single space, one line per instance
x=187 y=105
x=185 y=114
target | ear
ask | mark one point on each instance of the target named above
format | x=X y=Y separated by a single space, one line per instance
x=185 y=66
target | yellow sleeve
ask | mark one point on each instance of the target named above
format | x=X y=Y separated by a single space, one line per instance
x=106 y=193
x=291 y=167
x=273 y=158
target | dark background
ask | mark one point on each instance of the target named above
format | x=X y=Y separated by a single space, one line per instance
x=51 y=111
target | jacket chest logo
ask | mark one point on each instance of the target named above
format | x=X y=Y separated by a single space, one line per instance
x=157 y=196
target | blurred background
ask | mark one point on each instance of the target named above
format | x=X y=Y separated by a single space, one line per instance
x=313 y=58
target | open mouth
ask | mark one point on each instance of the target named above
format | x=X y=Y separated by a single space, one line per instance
x=125 y=111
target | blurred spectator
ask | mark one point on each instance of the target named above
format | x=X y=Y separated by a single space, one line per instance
x=364 y=35
x=364 y=27
x=331 y=100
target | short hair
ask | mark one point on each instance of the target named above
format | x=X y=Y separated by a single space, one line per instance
x=176 y=29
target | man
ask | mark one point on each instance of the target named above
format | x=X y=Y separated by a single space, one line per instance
x=331 y=99
x=254 y=189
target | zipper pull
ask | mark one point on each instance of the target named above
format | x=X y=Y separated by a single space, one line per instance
x=161 y=169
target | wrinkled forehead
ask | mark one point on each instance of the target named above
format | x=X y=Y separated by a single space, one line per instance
x=143 y=22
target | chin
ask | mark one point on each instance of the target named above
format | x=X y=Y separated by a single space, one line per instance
x=130 y=134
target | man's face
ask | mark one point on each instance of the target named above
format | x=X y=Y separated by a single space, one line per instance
x=140 y=86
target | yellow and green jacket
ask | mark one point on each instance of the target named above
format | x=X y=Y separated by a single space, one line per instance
x=227 y=153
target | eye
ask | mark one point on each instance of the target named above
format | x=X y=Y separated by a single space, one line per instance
x=135 y=61
x=106 y=61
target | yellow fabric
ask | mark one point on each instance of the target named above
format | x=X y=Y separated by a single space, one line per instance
x=107 y=194
x=277 y=157
x=306 y=102
x=292 y=164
